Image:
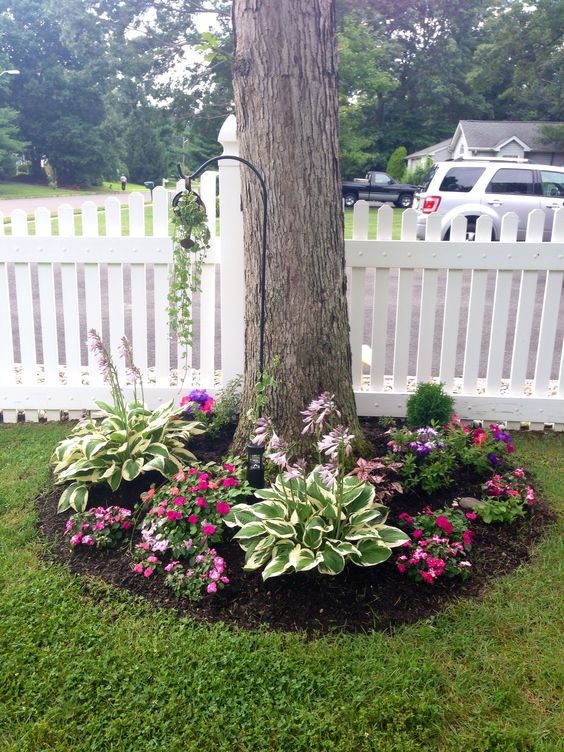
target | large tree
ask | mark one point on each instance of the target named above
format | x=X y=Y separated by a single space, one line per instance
x=286 y=100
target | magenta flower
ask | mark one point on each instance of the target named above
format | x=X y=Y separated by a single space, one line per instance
x=208 y=529
x=148 y=572
x=222 y=507
x=138 y=568
x=212 y=587
x=193 y=519
x=444 y=524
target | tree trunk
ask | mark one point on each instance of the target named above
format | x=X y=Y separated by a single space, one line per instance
x=285 y=84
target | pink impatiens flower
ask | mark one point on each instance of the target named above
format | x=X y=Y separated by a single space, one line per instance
x=148 y=572
x=193 y=519
x=222 y=507
x=212 y=587
x=208 y=529
x=138 y=568
x=444 y=524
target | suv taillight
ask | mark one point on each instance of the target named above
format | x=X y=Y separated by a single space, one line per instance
x=431 y=204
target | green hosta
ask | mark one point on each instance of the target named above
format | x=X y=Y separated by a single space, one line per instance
x=127 y=442
x=307 y=523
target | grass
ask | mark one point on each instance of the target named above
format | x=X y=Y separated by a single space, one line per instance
x=87 y=667
x=28 y=190
x=373 y=223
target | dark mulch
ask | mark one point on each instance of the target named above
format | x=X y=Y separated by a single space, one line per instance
x=360 y=599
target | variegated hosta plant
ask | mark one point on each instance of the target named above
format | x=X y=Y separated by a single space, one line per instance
x=127 y=442
x=308 y=522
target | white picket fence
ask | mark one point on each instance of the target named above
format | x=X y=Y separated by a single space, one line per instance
x=484 y=318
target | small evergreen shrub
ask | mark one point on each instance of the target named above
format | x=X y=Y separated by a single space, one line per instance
x=430 y=404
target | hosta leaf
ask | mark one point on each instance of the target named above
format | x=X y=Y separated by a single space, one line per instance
x=250 y=530
x=257 y=558
x=318 y=523
x=272 y=510
x=360 y=501
x=312 y=538
x=343 y=547
x=131 y=469
x=360 y=532
x=239 y=515
x=171 y=465
x=306 y=560
x=114 y=479
x=366 y=517
x=277 y=566
x=370 y=552
x=392 y=536
x=279 y=528
x=331 y=561
x=74 y=496
x=157 y=463
x=93 y=446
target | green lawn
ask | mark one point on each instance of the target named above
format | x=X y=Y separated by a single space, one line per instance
x=86 y=667
x=373 y=223
x=26 y=190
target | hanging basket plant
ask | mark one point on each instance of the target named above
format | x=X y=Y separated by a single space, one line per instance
x=191 y=242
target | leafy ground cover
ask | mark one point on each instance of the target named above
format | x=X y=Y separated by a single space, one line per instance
x=87 y=666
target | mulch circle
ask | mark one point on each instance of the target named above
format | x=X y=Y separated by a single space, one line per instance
x=360 y=599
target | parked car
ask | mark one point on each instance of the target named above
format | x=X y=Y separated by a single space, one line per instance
x=378 y=186
x=474 y=188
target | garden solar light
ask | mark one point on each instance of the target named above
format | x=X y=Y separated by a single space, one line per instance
x=255 y=454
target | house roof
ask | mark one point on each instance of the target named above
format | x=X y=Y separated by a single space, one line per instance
x=431 y=150
x=491 y=134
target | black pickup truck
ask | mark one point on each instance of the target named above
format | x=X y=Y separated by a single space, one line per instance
x=378 y=186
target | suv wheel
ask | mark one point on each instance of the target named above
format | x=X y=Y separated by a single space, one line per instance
x=404 y=201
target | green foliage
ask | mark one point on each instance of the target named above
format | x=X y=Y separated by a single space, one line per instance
x=308 y=523
x=506 y=497
x=396 y=163
x=417 y=175
x=126 y=443
x=146 y=156
x=429 y=405
x=84 y=662
x=10 y=144
x=227 y=405
x=191 y=242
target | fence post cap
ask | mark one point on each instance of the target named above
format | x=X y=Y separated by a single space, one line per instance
x=228 y=136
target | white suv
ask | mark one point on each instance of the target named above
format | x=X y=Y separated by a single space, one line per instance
x=472 y=188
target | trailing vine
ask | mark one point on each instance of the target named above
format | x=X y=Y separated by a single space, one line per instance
x=191 y=242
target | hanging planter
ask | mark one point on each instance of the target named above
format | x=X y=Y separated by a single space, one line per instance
x=191 y=243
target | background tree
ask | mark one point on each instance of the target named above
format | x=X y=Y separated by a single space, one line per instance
x=286 y=100
x=396 y=163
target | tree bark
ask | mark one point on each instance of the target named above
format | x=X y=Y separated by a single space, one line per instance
x=285 y=85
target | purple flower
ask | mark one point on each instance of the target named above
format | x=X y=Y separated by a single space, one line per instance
x=493 y=459
x=318 y=411
x=338 y=438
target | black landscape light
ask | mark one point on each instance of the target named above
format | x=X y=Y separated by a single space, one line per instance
x=255 y=453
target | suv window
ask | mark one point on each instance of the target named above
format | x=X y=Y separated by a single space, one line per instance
x=461 y=179
x=515 y=181
x=552 y=183
x=425 y=183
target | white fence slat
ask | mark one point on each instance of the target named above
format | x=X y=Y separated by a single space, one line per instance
x=385 y=223
x=547 y=334
x=139 y=317
x=71 y=323
x=561 y=375
x=409 y=225
x=43 y=223
x=112 y=212
x=136 y=215
x=379 y=329
x=116 y=311
x=47 y=308
x=403 y=328
x=558 y=226
x=2 y=232
x=184 y=366
x=356 y=319
x=7 y=372
x=360 y=220
x=25 y=323
x=90 y=219
x=65 y=217
x=450 y=326
x=535 y=226
x=500 y=317
x=20 y=225
x=474 y=331
x=427 y=316
x=525 y=309
x=207 y=325
x=434 y=228
x=162 y=355
x=93 y=302
x=160 y=212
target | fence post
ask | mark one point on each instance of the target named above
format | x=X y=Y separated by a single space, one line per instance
x=232 y=256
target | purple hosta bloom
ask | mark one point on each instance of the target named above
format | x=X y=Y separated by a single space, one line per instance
x=297 y=470
x=318 y=411
x=102 y=356
x=338 y=438
x=126 y=352
x=262 y=430
x=329 y=471
x=278 y=451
